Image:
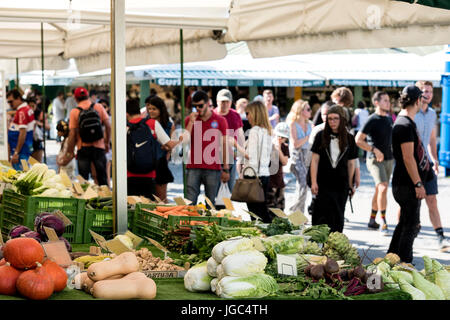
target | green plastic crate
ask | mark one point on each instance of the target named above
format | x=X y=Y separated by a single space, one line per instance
x=22 y=210
x=152 y=225
x=101 y=222
x=225 y=222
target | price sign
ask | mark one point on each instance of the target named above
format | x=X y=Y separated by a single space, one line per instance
x=210 y=204
x=278 y=212
x=179 y=201
x=32 y=161
x=228 y=204
x=159 y=246
x=51 y=234
x=297 y=218
x=253 y=215
x=101 y=241
x=24 y=165
x=287 y=265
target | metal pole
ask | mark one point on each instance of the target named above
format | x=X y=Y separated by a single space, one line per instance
x=17 y=73
x=43 y=87
x=444 y=152
x=118 y=113
x=182 y=104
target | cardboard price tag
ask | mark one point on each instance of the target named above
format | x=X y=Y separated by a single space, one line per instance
x=90 y=193
x=24 y=165
x=95 y=250
x=2 y=187
x=1 y=240
x=134 y=238
x=81 y=179
x=116 y=246
x=228 y=204
x=32 y=161
x=51 y=234
x=78 y=188
x=180 y=201
x=278 y=212
x=159 y=246
x=253 y=215
x=61 y=215
x=57 y=251
x=65 y=178
x=287 y=265
x=101 y=241
x=157 y=199
x=6 y=163
x=297 y=218
x=210 y=204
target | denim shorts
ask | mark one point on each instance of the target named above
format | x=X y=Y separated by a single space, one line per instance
x=431 y=187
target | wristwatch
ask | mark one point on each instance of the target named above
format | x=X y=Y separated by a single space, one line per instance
x=418 y=184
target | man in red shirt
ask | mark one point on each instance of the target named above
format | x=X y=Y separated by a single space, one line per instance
x=89 y=152
x=235 y=129
x=208 y=155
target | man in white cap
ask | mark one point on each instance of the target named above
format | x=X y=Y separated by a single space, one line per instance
x=224 y=101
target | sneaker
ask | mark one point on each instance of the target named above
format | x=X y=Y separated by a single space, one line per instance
x=444 y=245
x=384 y=230
x=373 y=225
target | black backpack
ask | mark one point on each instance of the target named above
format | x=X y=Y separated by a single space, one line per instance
x=142 y=148
x=90 y=124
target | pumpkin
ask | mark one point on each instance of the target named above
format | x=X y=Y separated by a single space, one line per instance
x=58 y=274
x=35 y=284
x=8 y=279
x=135 y=285
x=23 y=253
x=124 y=263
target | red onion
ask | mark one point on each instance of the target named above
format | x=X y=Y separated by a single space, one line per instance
x=49 y=221
x=34 y=235
x=16 y=231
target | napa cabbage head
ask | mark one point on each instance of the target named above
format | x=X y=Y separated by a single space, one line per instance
x=283 y=244
x=442 y=278
x=228 y=247
x=431 y=291
x=197 y=278
x=244 y=263
x=415 y=293
x=255 y=286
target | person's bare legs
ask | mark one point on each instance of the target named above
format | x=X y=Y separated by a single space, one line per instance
x=161 y=191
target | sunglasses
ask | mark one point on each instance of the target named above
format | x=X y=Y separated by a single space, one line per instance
x=198 y=106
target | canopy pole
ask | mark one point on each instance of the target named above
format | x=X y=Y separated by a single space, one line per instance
x=43 y=88
x=182 y=104
x=118 y=113
x=17 y=73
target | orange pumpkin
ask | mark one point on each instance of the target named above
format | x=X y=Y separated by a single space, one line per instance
x=35 y=284
x=8 y=279
x=23 y=253
x=58 y=274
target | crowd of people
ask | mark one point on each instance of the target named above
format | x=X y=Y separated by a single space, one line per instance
x=223 y=143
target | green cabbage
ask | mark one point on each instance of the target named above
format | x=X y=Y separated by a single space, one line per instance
x=197 y=278
x=228 y=247
x=255 y=286
x=283 y=244
x=442 y=277
x=429 y=274
x=244 y=263
x=397 y=275
x=431 y=291
x=211 y=266
x=415 y=293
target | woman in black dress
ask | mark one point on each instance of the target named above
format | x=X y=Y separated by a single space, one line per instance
x=156 y=109
x=332 y=169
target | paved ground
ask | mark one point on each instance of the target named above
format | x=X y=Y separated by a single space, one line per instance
x=356 y=227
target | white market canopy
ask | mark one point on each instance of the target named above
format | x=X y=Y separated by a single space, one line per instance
x=287 y=27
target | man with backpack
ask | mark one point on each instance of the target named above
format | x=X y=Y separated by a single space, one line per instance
x=86 y=123
x=143 y=135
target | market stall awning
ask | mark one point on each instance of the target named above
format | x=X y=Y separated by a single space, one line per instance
x=286 y=27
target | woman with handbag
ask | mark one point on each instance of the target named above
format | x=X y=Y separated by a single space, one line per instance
x=300 y=129
x=252 y=186
x=332 y=169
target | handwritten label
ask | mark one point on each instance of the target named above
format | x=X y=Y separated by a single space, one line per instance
x=57 y=251
x=210 y=204
x=159 y=246
x=101 y=241
x=157 y=199
x=228 y=204
x=179 y=201
x=134 y=238
x=61 y=215
x=116 y=246
x=32 y=161
x=278 y=212
x=252 y=214
x=287 y=265
x=65 y=178
x=78 y=188
x=81 y=179
x=297 y=218
x=51 y=234
x=24 y=165
x=90 y=193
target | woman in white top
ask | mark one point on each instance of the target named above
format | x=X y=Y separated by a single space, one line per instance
x=300 y=126
x=256 y=154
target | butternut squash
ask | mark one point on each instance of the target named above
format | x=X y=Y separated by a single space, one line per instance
x=122 y=264
x=135 y=285
x=88 y=283
x=79 y=279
